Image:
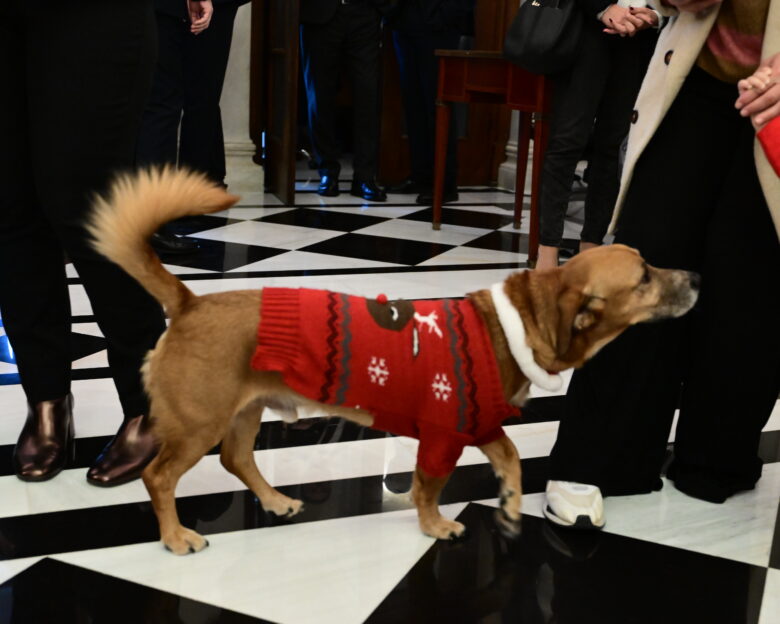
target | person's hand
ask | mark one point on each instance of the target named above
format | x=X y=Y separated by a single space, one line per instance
x=621 y=21
x=200 y=15
x=691 y=6
x=648 y=16
x=759 y=94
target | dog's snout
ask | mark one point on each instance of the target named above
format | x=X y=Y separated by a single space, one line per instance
x=695 y=280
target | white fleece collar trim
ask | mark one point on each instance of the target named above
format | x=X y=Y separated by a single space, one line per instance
x=514 y=330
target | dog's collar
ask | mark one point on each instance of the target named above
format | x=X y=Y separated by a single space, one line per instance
x=514 y=330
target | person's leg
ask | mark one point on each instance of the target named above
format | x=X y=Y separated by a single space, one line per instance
x=34 y=300
x=201 y=143
x=620 y=405
x=577 y=94
x=362 y=46
x=409 y=51
x=106 y=47
x=320 y=58
x=613 y=119
x=428 y=84
x=158 y=133
x=734 y=376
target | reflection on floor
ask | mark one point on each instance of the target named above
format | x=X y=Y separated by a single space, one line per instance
x=73 y=553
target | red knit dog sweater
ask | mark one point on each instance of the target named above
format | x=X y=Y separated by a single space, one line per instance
x=423 y=369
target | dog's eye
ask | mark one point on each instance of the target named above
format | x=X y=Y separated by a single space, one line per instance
x=646 y=277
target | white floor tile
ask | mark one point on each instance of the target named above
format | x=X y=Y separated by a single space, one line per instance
x=770 y=608
x=94 y=360
x=378 y=210
x=282 y=466
x=96 y=411
x=306 y=261
x=268 y=234
x=246 y=213
x=423 y=231
x=473 y=255
x=740 y=529
x=11 y=567
x=328 y=572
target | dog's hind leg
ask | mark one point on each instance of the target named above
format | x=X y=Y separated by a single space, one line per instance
x=425 y=494
x=237 y=457
x=503 y=456
x=176 y=456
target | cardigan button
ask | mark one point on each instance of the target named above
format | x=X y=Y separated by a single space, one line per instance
x=634 y=116
x=668 y=56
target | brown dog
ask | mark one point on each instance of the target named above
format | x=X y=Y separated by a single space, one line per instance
x=203 y=390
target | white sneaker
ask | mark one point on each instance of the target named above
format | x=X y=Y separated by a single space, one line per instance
x=576 y=505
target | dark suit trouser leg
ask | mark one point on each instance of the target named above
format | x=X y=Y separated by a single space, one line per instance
x=202 y=145
x=158 y=135
x=694 y=203
x=419 y=71
x=361 y=46
x=320 y=56
x=70 y=151
x=613 y=119
x=34 y=300
x=576 y=98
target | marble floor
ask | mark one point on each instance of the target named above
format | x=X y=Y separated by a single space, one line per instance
x=70 y=552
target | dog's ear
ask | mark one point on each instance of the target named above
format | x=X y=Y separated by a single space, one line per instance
x=577 y=311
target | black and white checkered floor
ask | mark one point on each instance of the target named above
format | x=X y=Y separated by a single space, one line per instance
x=73 y=553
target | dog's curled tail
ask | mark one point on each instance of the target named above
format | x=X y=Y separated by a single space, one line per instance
x=135 y=207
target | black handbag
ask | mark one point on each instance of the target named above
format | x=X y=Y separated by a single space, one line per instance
x=544 y=35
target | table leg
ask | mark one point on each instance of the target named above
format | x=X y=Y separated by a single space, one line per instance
x=523 y=140
x=541 y=133
x=442 y=130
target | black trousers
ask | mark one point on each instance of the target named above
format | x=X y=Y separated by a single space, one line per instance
x=419 y=73
x=75 y=78
x=187 y=87
x=596 y=95
x=694 y=203
x=351 y=37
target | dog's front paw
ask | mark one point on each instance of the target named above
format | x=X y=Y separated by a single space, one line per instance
x=511 y=528
x=282 y=505
x=184 y=541
x=444 y=529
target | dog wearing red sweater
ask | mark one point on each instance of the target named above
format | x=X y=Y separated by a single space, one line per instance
x=445 y=372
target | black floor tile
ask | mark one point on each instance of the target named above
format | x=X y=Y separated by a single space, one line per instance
x=54 y=591
x=199 y=223
x=273 y=435
x=501 y=241
x=379 y=248
x=774 y=554
x=323 y=219
x=214 y=255
x=464 y=217
x=83 y=345
x=133 y=523
x=569 y=577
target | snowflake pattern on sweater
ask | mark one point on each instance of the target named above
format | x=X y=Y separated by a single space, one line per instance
x=423 y=369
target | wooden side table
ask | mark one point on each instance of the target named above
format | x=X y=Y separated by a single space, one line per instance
x=478 y=76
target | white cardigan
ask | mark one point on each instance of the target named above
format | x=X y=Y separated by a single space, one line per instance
x=679 y=44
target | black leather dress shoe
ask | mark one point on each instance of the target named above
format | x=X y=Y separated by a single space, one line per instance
x=426 y=199
x=46 y=442
x=409 y=187
x=329 y=186
x=368 y=191
x=166 y=243
x=125 y=457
